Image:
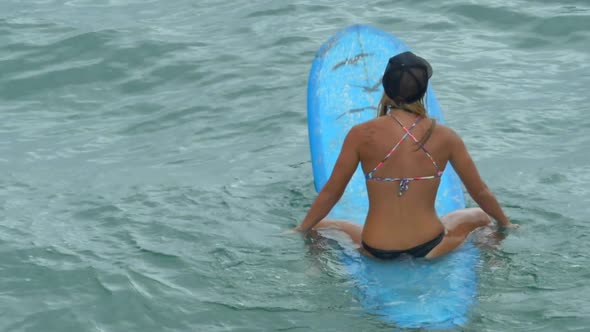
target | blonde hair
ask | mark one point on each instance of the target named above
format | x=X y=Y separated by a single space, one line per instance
x=386 y=104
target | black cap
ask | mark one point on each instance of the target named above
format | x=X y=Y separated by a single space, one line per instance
x=406 y=77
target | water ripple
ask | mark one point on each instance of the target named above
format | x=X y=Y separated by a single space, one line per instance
x=153 y=152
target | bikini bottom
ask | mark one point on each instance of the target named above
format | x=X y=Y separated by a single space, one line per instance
x=417 y=251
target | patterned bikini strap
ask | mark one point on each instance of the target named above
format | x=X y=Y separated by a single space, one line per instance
x=408 y=133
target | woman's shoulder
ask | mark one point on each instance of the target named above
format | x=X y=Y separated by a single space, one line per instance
x=445 y=130
x=365 y=131
x=366 y=125
x=447 y=134
x=374 y=123
x=368 y=129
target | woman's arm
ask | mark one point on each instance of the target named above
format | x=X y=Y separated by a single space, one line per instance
x=476 y=187
x=344 y=168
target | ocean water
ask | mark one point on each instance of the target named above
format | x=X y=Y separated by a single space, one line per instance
x=151 y=153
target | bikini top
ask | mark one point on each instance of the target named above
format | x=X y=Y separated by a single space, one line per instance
x=404 y=182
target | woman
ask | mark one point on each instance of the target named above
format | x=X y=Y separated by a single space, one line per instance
x=403 y=154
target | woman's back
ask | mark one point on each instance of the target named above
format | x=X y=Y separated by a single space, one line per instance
x=403 y=155
x=410 y=218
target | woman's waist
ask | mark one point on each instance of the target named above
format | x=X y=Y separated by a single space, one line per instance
x=401 y=231
x=401 y=213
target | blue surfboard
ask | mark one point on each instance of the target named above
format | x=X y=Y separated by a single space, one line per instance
x=344 y=89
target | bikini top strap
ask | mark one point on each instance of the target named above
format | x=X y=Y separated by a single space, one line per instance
x=407 y=133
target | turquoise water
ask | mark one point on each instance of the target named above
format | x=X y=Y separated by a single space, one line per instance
x=151 y=151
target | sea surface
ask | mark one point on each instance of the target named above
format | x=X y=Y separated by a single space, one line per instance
x=152 y=152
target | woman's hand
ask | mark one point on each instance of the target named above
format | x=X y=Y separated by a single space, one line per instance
x=511 y=226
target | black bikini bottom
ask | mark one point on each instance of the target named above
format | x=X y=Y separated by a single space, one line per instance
x=418 y=251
